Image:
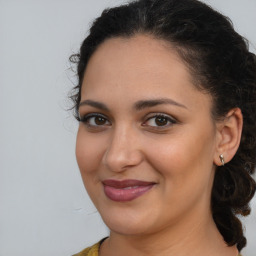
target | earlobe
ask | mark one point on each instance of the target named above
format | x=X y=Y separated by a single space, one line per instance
x=222 y=159
x=229 y=135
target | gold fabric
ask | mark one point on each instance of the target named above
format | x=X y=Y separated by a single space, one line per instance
x=90 y=251
x=94 y=250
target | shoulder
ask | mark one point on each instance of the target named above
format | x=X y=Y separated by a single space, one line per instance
x=92 y=250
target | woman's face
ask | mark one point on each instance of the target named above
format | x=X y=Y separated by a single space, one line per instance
x=146 y=142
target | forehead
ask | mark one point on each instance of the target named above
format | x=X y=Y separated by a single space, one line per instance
x=137 y=67
x=138 y=55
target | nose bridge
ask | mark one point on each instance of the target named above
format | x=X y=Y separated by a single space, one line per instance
x=123 y=149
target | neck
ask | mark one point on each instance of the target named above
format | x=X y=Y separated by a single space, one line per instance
x=197 y=238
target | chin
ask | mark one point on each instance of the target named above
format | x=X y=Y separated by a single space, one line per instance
x=127 y=225
x=126 y=228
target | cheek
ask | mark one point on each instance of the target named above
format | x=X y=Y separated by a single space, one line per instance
x=184 y=165
x=88 y=152
x=187 y=156
x=88 y=155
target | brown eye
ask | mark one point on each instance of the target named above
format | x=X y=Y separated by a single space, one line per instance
x=95 y=120
x=99 y=120
x=160 y=120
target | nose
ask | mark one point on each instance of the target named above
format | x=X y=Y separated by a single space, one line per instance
x=123 y=151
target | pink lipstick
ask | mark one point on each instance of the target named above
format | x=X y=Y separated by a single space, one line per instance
x=126 y=190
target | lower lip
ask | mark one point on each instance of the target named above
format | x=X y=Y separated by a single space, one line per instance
x=125 y=195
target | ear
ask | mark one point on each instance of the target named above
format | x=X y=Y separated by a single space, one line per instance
x=228 y=136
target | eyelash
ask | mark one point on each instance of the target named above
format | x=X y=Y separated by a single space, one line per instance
x=85 y=119
x=170 y=120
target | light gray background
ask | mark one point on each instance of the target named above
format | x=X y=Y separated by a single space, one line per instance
x=44 y=209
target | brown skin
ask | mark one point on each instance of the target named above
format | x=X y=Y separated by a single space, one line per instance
x=174 y=217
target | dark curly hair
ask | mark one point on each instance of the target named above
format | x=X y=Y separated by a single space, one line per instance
x=221 y=64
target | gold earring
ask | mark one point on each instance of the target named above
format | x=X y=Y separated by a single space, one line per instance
x=222 y=159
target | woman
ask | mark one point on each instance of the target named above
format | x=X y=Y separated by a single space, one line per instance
x=166 y=101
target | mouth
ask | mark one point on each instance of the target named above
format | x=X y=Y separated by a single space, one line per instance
x=126 y=190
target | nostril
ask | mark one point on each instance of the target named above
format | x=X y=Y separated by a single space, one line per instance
x=122 y=159
x=123 y=150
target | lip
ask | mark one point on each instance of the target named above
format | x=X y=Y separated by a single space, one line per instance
x=126 y=190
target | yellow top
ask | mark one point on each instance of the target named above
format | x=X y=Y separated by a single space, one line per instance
x=90 y=251
x=94 y=250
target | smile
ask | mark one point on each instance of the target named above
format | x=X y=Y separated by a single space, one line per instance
x=126 y=190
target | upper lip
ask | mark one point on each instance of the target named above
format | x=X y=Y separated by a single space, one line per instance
x=126 y=183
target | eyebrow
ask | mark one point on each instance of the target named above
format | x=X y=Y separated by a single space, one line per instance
x=139 y=105
x=94 y=104
x=154 y=102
